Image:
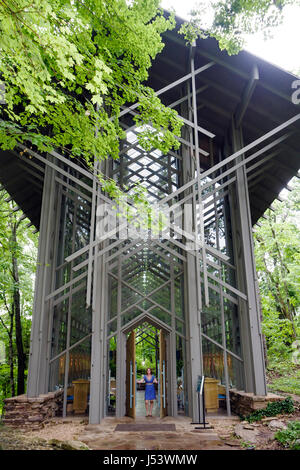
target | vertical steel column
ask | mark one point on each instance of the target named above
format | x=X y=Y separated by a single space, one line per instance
x=96 y=359
x=97 y=396
x=200 y=204
x=119 y=376
x=193 y=333
x=194 y=225
x=92 y=227
x=38 y=369
x=225 y=355
x=250 y=329
x=172 y=345
x=103 y=318
x=92 y=237
x=230 y=216
x=122 y=366
x=197 y=366
x=69 y=317
x=228 y=407
x=53 y=328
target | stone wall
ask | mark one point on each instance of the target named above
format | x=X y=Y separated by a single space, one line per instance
x=243 y=403
x=24 y=412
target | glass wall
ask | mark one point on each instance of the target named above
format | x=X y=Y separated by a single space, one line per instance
x=221 y=343
x=70 y=352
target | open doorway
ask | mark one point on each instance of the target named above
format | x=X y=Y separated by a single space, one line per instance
x=146 y=347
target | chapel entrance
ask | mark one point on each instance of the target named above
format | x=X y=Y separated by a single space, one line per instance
x=146 y=346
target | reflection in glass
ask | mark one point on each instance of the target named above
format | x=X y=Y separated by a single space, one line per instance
x=59 y=328
x=57 y=374
x=81 y=317
x=213 y=363
x=78 y=387
x=111 y=382
x=180 y=375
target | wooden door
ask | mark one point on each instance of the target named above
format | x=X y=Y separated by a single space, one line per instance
x=130 y=375
x=162 y=374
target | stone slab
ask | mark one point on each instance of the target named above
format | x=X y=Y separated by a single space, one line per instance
x=244 y=403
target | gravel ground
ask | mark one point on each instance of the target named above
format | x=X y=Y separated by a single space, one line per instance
x=14 y=439
x=64 y=431
x=11 y=439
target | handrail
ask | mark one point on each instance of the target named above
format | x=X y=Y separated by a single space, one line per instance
x=201 y=400
x=202 y=385
x=201 y=394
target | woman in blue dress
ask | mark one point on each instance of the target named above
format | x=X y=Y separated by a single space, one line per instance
x=150 y=394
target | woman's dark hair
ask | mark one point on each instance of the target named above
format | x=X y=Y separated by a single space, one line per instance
x=149 y=368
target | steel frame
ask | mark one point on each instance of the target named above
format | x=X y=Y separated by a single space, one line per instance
x=201 y=190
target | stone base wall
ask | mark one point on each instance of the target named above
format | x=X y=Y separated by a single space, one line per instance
x=243 y=403
x=24 y=412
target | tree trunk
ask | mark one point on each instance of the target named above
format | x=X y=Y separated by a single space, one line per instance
x=11 y=356
x=17 y=313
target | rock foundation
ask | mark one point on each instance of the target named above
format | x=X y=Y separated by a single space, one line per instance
x=24 y=412
x=243 y=403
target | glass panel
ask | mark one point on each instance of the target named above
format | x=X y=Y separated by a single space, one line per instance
x=161 y=315
x=213 y=363
x=82 y=234
x=227 y=237
x=232 y=328
x=112 y=327
x=146 y=304
x=74 y=229
x=111 y=376
x=180 y=374
x=67 y=226
x=235 y=373
x=145 y=281
x=63 y=275
x=78 y=391
x=130 y=315
x=113 y=297
x=80 y=361
x=57 y=374
x=163 y=297
x=129 y=297
x=228 y=275
x=179 y=299
x=81 y=317
x=211 y=317
x=59 y=328
x=180 y=326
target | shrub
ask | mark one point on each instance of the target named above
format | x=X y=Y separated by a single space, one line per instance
x=290 y=437
x=274 y=408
